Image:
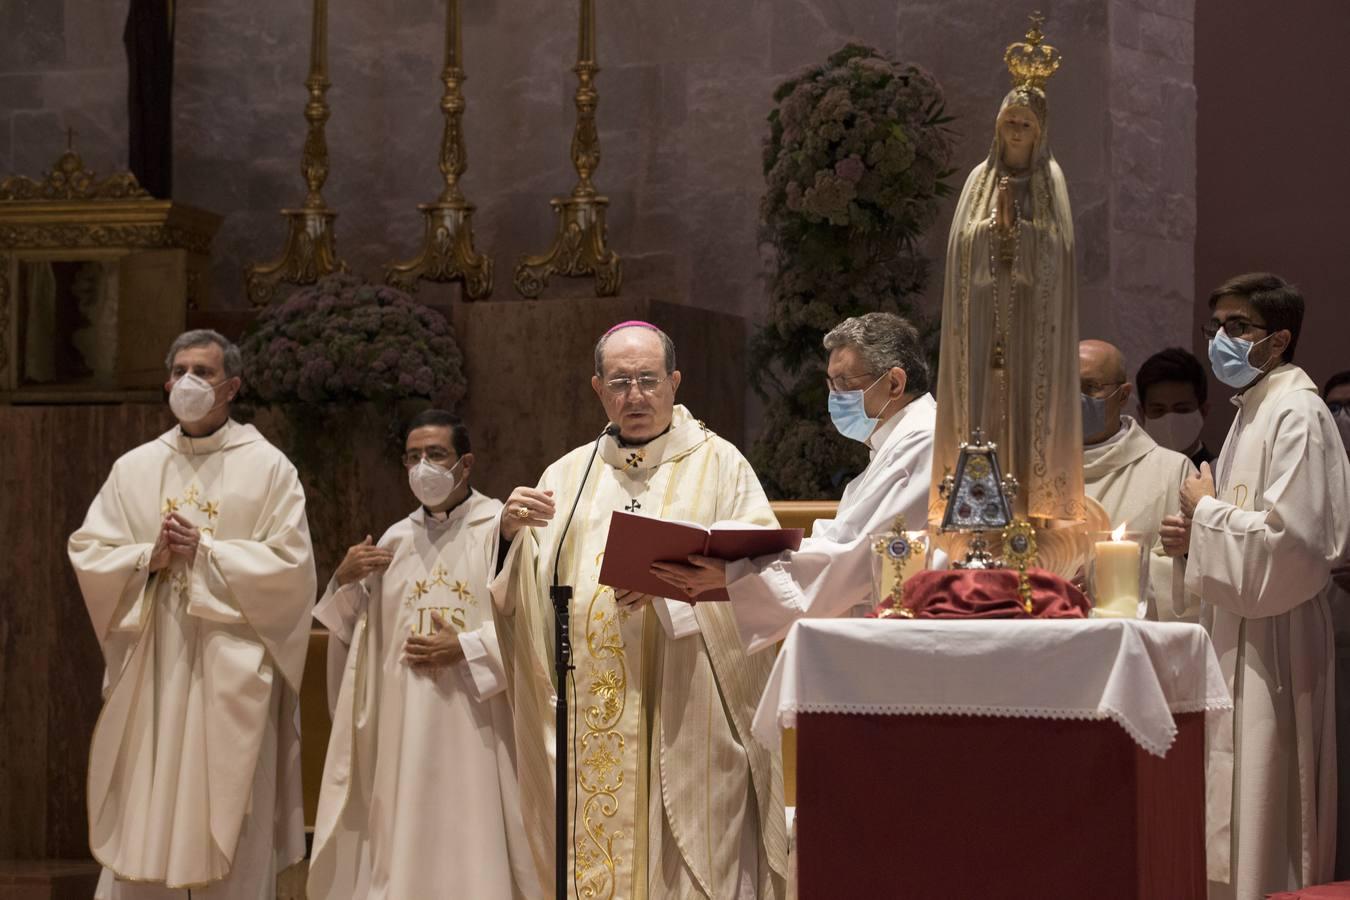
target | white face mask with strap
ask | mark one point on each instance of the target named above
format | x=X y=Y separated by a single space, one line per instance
x=1176 y=431
x=193 y=398
x=431 y=484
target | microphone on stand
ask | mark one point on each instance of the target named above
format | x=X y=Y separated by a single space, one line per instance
x=561 y=595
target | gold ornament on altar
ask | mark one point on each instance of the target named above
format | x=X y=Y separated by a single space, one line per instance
x=978 y=499
x=897 y=548
x=580 y=247
x=1031 y=64
x=310 y=251
x=448 y=253
x=1019 y=552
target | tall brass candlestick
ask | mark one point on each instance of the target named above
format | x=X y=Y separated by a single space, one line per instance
x=447 y=244
x=580 y=246
x=310 y=251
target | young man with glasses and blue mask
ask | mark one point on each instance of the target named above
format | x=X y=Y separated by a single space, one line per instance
x=419 y=795
x=1264 y=532
x=878 y=382
x=1135 y=480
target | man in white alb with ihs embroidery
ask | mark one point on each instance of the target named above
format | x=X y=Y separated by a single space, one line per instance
x=419 y=796
x=674 y=796
x=195 y=565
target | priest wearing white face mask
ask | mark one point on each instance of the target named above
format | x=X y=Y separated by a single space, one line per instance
x=1136 y=481
x=878 y=382
x=196 y=567
x=419 y=795
x=1173 y=391
x=1264 y=538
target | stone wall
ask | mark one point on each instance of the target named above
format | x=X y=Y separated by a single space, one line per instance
x=683 y=94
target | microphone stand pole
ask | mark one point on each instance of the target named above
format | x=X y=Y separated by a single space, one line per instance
x=561 y=595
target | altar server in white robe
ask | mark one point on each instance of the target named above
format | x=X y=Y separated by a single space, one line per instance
x=1264 y=532
x=196 y=568
x=1135 y=480
x=878 y=383
x=674 y=796
x=419 y=794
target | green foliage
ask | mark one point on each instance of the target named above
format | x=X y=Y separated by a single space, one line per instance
x=856 y=164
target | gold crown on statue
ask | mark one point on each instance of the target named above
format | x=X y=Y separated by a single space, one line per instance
x=1031 y=63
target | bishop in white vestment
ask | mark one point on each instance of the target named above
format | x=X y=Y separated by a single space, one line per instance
x=1136 y=481
x=674 y=796
x=879 y=396
x=195 y=565
x=1264 y=536
x=419 y=794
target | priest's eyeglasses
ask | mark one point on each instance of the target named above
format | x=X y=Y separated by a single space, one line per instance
x=646 y=384
x=1235 y=327
x=436 y=455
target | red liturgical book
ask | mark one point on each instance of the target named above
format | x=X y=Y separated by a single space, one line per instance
x=635 y=542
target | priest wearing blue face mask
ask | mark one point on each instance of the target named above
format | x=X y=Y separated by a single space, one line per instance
x=878 y=381
x=1135 y=480
x=1264 y=533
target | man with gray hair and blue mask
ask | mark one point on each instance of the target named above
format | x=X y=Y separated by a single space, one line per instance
x=878 y=380
x=197 y=571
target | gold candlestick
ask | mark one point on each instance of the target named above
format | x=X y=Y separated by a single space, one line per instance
x=310 y=251
x=580 y=246
x=447 y=244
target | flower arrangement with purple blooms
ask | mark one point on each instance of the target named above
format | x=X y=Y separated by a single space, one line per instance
x=342 y=341
x=855 y=167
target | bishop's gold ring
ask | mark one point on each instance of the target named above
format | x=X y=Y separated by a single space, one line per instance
x=522 y=512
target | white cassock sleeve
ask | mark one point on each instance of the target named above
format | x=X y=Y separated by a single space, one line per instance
x=482 y=665
x=111 y=564
x=827 y=576
x=339 y=610
x=1265 y=562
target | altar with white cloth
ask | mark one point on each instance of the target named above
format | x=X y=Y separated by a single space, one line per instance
x=996 y=758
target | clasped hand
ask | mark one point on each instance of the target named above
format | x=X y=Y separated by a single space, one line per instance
x=441 y=648
x=177 y=537
x=1175 y=533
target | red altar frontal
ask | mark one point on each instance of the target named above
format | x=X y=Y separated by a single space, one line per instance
x=960 y=759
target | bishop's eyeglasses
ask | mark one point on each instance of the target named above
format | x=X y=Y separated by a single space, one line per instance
x=646 y=384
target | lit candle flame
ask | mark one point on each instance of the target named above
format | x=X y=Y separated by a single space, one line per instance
x=1119 y=533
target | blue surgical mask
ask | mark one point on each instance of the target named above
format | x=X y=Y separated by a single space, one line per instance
x=848 y=412
x=1094 y=413
x=1094 y=416
x=1229 y=357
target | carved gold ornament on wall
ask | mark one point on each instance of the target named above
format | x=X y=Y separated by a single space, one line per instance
x=447 y=253
x=144 y=262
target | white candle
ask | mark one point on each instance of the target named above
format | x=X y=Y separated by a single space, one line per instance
x=1115 y=581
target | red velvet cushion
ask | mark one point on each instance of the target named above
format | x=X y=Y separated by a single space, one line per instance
x=989 y=594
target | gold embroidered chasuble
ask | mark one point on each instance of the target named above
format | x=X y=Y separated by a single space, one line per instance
x=199 y=732
x=673 y=796
x=419 y=788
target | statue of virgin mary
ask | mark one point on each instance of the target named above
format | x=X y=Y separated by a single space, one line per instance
x=1009 y=358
